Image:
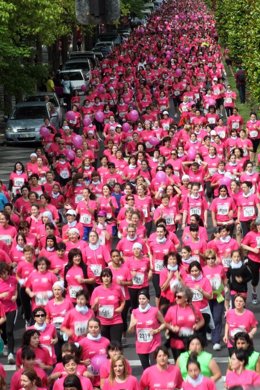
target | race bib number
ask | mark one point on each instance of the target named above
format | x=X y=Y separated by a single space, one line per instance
x=222 y=134
x=73 y=291
x=144 y=335
x=186 y=332
x=176 y=93
x=106 y=311
x=226 y=261
x=145 y=212
x=80 y=328
x=223 y=209
x=253 y=133
x=215 y=282
x=197 y=295
x=18 y=182
x=138 y=279
x=6 y=238
x=249 y=211
x=212 y=171
x=195 y=210
x=258 y=242
x=174 y=283
x=158 y=265
x=233 y=332
x=78 y=198
x=212 y=121
x=169 y=219
x=41 y=299
x=235 y=125
x=85 y=219
x=57 y=321
x=64 y=174
x=96 y=269
x=228 y=100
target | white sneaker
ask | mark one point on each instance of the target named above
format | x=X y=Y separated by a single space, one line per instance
x=254 y=299
x=5 y=351
x=216 y=347
x=208 y=336
x=11 y=359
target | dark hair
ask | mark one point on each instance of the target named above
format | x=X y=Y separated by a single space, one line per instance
x=72 y=381
x=241 y=355
x=161 y=348
x=4 y=267
x=244 y=336
x=68 y=358
x=19 y=162
x=53 y=238
x=27 y=353
x=84 y=293
x=32 y=376
x=74 y=252
x=195 y=264
x=28 y=335
x=114 y=346
x=39 y=309
x=196 y=337
x=40 y=259
x=106 y=272
x=61 y=246
x=194 y=227
x=175 y=254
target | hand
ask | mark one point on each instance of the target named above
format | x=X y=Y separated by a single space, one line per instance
x=175 y=329
x=118 y=310
x=68 y=332
x=195 y=327
x=54 y=341
x=13 y=299
x=225 y=339
x=153 y=332
x=79 y=279
x=86 y=362
x=4 y=295
x=32 y=294
x=255 y=250
x=239 y=279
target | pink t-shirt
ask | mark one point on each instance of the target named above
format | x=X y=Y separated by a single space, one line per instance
x=139 y=271
x=247 y=379
x=145 y=342
x=155 y=378
x=78 y=323
x=122 y=274
x=206 y=384
x=198 y=300
x=252 y=239
x=185 y=318
x=222 y=208
x=56 y=311
x=10 y=286
x=85 y=383
x=109 y=300
x=41 y=354
x=247 y=207
x=240 y=323
x=158 y=251
x=41 y=283
x=46 y=336
x=15 y=381
x=131 y=383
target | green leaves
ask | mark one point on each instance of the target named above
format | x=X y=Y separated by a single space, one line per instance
x=238 y=25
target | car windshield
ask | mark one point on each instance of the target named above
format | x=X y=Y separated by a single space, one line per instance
x=77 y=65
x=41 y=98
x=29 y=112
x=73 y=76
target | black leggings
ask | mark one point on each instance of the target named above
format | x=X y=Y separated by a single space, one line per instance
x=146 y=359
x=8 y=330
x=113 y=332
x=26 y=304
x=245 y=227
x=254 y=268
x=125 y=313
x=156 y=285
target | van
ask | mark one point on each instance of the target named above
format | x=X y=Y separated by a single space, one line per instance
x=76 y=78
x=79 y=63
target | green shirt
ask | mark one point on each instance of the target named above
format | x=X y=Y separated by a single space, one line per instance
x=203 y=358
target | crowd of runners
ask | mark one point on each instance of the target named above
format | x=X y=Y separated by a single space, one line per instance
x=150 y=187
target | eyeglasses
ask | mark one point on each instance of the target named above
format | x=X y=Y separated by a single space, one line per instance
x=40 y=315
x=211 y=258
x=179 y=296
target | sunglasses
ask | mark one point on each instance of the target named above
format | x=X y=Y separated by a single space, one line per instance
x=211 y=258
x=40 y=315
x=179 y=296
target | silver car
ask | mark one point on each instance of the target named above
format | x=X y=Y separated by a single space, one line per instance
x=49 y=97
x=25 y=122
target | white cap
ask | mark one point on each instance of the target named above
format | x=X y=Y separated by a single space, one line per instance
x=59 y=283
x=165 y=113
x=137 y=245
x=74 y=230
x=213 y=132
x=33 y=155
x=71 y=212
x=215 y=79
x=185 y=177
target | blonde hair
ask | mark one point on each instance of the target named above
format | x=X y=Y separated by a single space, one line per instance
x=113 y=363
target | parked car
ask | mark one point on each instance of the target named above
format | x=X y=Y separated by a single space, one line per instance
x=104 y=47
x=76 y=78
x=110 y=36
x=25 y=122
x=91 y=55
x=49 y=97
x=81 y=63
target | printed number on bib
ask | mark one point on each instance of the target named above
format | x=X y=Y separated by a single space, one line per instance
x=144 y=335
x=96 y=269
x=85 y=219
x=249 y=211
x=138 y=279
x=106 y=311
x=41 y=299
x=195 y=210
x=158 y=265
x=73 y=290
x=223 y=209
x=197 y=295
x=80 y=328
